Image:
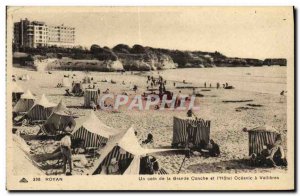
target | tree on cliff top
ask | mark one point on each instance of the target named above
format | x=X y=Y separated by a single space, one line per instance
x=122 y=48
x=103 y=54
x=138 y=49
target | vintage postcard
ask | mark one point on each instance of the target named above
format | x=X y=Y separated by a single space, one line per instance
x=150 y=98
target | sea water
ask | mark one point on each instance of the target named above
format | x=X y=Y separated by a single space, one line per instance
x=271 y=79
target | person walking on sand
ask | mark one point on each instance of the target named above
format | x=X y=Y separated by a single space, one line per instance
x=65 y=148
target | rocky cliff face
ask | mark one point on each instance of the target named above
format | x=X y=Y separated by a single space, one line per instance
x=140 y=58
x=143 y=58
x=79 y=65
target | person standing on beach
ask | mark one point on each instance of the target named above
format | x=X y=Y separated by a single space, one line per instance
x=113 y=168
x=204 y=84
x=65 y=148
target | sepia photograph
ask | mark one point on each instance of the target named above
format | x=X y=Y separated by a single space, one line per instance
x=150 y=98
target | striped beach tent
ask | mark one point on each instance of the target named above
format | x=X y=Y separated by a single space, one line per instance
x=93 y=132
x=123 y=146
x=17 y=91
x=60 y=119
x=90 y=96
x=260 y=137
x=197 y=129
x=41 y=110
x=25 y=103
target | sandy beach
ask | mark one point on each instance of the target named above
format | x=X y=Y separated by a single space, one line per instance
x=227 y=118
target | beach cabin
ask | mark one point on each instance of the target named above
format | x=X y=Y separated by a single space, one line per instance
x=90 y=98
x=260 y=137
x=190 y=130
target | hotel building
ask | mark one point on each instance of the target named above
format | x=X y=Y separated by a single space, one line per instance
x=33 y=34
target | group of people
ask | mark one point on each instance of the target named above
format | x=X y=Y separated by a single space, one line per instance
x=156 y=81
x=210 y=149
x=148 y=165
x=218 y=85
x=272 y=155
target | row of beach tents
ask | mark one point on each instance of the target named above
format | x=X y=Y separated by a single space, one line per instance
x=115 y=144
x=42 y=109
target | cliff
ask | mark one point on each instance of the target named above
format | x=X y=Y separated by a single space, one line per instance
x=139 y=58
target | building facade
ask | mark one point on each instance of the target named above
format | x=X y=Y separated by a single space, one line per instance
x=33 y=34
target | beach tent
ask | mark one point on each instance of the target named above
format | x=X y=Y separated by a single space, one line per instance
x=260 y=137
x=60 y=119
x=41 y=110
x=93 y=132
x=23 y=160
x=25 y=77
x=197 y=129
x=123 y=146
x=25 y=103
x=90 y=96
x=77 y=88
x=66 y=83
x=17 y=91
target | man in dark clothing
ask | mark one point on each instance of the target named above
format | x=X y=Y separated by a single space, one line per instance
x=154 y=164
x=214 y=150
x=146 y=166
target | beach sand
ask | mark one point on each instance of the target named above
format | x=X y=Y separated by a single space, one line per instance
x=226 y=122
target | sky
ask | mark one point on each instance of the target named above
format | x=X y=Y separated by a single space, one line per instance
x=252 y=32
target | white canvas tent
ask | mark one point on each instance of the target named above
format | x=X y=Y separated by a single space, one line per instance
x=41 y=110
x=66 y=83
x=93 y=132
x=59 y=120
x=123 y=146
x=25 y=77
x=25 y=103
x=17 y=91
